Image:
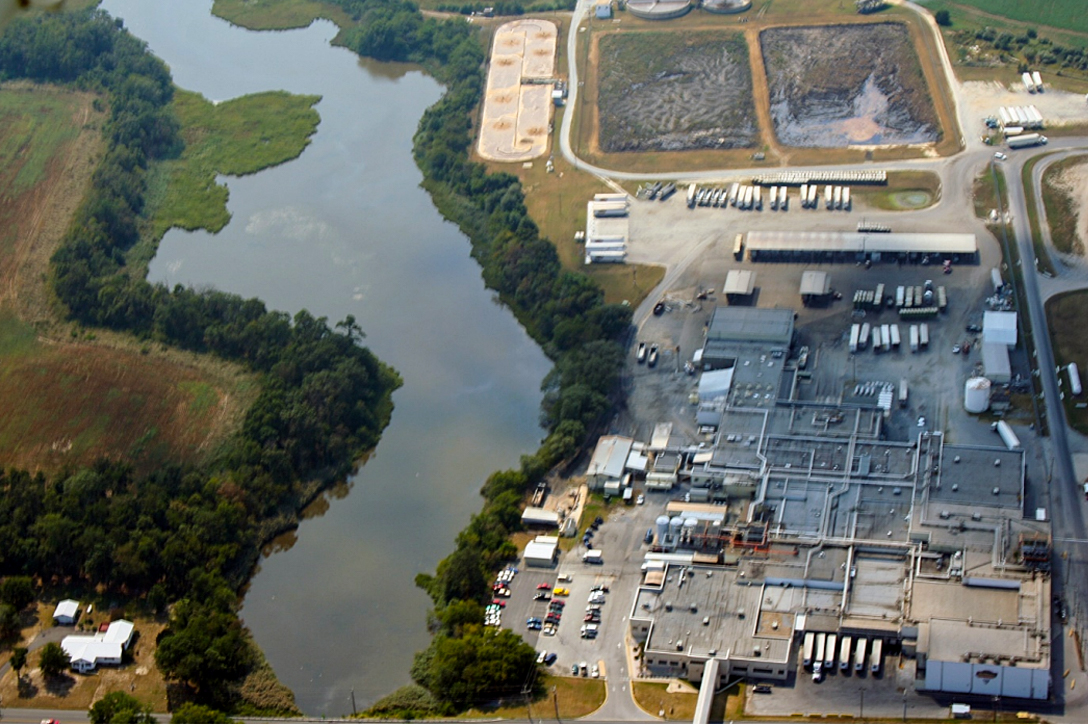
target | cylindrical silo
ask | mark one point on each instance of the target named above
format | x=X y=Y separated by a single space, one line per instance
x=690 y=524
x=662 y=527
x=675 y=525
x=976 y=395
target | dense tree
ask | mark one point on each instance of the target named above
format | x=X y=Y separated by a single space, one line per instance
x=18 y=591
x=119 y=707
x=943 y=18
x=191 y=712
x=18 y=660
x=53 y=661
x=205 y=647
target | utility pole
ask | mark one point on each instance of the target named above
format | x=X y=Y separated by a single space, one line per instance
x=861 y=706
x=353 y=711
x=555 y=699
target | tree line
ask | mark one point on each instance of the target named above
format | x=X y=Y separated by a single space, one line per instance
x=564 y=311
x=182 y=534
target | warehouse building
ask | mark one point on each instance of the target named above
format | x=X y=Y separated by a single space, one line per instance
x=815 y=287
x=739 y=286
x=914 y=248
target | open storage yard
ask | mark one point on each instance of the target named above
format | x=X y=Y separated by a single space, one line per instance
x=834 y=86
x=662 y=91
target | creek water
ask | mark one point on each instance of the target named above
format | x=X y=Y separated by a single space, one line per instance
x=346 y=229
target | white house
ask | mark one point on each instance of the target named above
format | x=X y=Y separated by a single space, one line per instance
x=66 y=612
x=87 y=652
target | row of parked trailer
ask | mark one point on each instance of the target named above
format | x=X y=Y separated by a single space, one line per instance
x=906 y=297
x=796 y=178
x=821 y=651
x=1014 y=119
x=835 y=197
x=1033 y=82
x=886 y=338
x=741 y=196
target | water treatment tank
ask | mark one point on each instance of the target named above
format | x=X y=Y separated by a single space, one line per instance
x=976 y=395
x=662 y=527
x=675 y=525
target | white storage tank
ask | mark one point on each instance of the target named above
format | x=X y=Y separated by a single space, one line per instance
x=675 y=525
x=976 y=395
x=662 y=527
x=689 y=526
x=1074 y=379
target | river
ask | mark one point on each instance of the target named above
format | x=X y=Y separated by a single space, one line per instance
x=346 y=229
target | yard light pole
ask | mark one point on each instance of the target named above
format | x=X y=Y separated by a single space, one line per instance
x=861 y=706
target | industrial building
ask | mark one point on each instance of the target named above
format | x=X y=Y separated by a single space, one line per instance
x=810 y=519
x=542 y=552
x=739 y=285
x=609 y=461
x=861 y=247
x=815 y=287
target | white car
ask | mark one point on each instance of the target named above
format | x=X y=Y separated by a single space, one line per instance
x=640 y=500
x=1000 y=156
x=541 y=656
x=594 y=671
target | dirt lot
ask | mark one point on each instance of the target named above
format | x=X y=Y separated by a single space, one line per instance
x=1065 y=188
x=844 y=85
x=664 y=91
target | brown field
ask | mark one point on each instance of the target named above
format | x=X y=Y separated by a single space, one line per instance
x=1065 y=314
x=72 y=396
x=788 y=13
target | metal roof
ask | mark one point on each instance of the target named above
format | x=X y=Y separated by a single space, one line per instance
x=995 y=362
x=999 y=327
x=862 y=243
x=815 y=283
x=740 y=282
x=751 y=324
x=609 y=456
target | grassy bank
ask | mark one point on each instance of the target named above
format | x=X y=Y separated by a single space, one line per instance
x=277 y=14
x=1042 y=254
x=1062 y=208
x=1065 y=315
x=655 y=699
x=567 y=697
x=905 y=191
x=234 y=138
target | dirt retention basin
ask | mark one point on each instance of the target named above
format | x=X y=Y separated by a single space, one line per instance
x=842 y=85
x=675 y=91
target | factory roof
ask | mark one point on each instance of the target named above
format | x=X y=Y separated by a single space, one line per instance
x=995 y=361
x=609 y=456
x=862 y=243
x=981 y=477
x=751 y=324
x=740 y=282
x=815 y=283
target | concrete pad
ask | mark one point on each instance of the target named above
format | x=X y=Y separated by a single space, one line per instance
x=516 y=114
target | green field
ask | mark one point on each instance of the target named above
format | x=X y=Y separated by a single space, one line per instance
x=35 y=125
x=1063 y=14
x=233 y=138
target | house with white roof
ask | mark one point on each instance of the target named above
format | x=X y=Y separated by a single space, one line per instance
x=87 y=652
x=67 y=612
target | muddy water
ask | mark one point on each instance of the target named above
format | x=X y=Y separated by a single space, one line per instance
x=345 y=229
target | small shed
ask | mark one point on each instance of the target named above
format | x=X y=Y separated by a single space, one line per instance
x=67 y=612
x=604 y=10
x=815 y=287
x=542 y=551
x=995 y=362
x=739 y=285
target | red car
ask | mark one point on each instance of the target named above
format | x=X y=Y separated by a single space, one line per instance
x=543 y=585
x=498 y=602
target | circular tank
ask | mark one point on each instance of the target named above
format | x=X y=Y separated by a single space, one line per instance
x=976 y=395
x=662 y=527
x=675 y=525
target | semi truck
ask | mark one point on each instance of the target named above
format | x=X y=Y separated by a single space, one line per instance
x=783 y=198
x=895 y=336
x=757 y=198
x=593 y=556
x=838 y=197
x=923 y=334
x=818 y=656
x=774 y=197
x=913 y=332
x=692 y=189
x=1027 y=140
x=859 y=654
x=904 y=393
x=877 y=658
x=844 y=653
x=829 y=197
x=807 y=650
x=886 y=337
x=855 y=334
x=863 y=338
x=804 y=196
x=846 y=198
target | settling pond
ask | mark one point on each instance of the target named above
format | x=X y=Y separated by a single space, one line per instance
x=345 y=229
